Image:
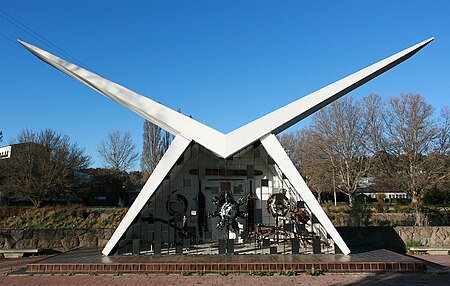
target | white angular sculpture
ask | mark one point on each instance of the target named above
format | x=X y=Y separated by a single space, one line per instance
x=188 y=130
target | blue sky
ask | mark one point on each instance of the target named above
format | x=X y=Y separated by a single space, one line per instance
x=225 y=63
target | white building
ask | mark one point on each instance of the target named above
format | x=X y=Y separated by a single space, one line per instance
x=5 y=152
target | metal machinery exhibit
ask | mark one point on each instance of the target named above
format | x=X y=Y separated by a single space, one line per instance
x=235 y=193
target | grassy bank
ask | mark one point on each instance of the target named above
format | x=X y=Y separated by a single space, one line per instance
x=60 y=217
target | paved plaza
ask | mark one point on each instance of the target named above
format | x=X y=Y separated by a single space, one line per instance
x=438 y=274
x=83 y=261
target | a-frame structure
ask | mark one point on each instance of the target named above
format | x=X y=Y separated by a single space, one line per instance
x=244 y=179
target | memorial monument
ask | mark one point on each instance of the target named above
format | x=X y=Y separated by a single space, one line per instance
x=235 y=193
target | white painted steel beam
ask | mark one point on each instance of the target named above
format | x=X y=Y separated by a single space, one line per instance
x=221 y=144
x=276 y=151
x=175 y=151
x=292 y=113
x=187 y=129
x=166 y=118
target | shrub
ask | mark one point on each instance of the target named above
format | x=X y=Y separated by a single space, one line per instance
x=359 y=212
x=315 y=272
x=290 y=272
x=412 y=243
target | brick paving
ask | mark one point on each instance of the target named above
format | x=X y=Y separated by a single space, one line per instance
x=442 y=260
x=91 y=260
x=392 y=278
x=10 y=265
x=233 y=279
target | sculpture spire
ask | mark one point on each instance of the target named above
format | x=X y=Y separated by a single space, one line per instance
x=166 y=118
x=225 y=145
x=288 y=115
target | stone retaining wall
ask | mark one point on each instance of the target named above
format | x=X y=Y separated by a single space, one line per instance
x=395 y=238
x=376 y=219
x=55 y=239
x=392 y=238
x=433 y=236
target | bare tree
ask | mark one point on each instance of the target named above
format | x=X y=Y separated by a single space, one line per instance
x=155 y=143
x=443 y=144
x=291 y=143
x=309 y=160
x=118 y=151
x=315 y=164
x=412 y=156
x=373 y=111
x=42 y=164
x=339 y=131
x=400 y=143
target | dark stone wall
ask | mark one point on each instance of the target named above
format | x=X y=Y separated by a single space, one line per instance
x=372 y=237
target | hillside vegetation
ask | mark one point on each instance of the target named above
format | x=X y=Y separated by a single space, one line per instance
x=60 y=217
